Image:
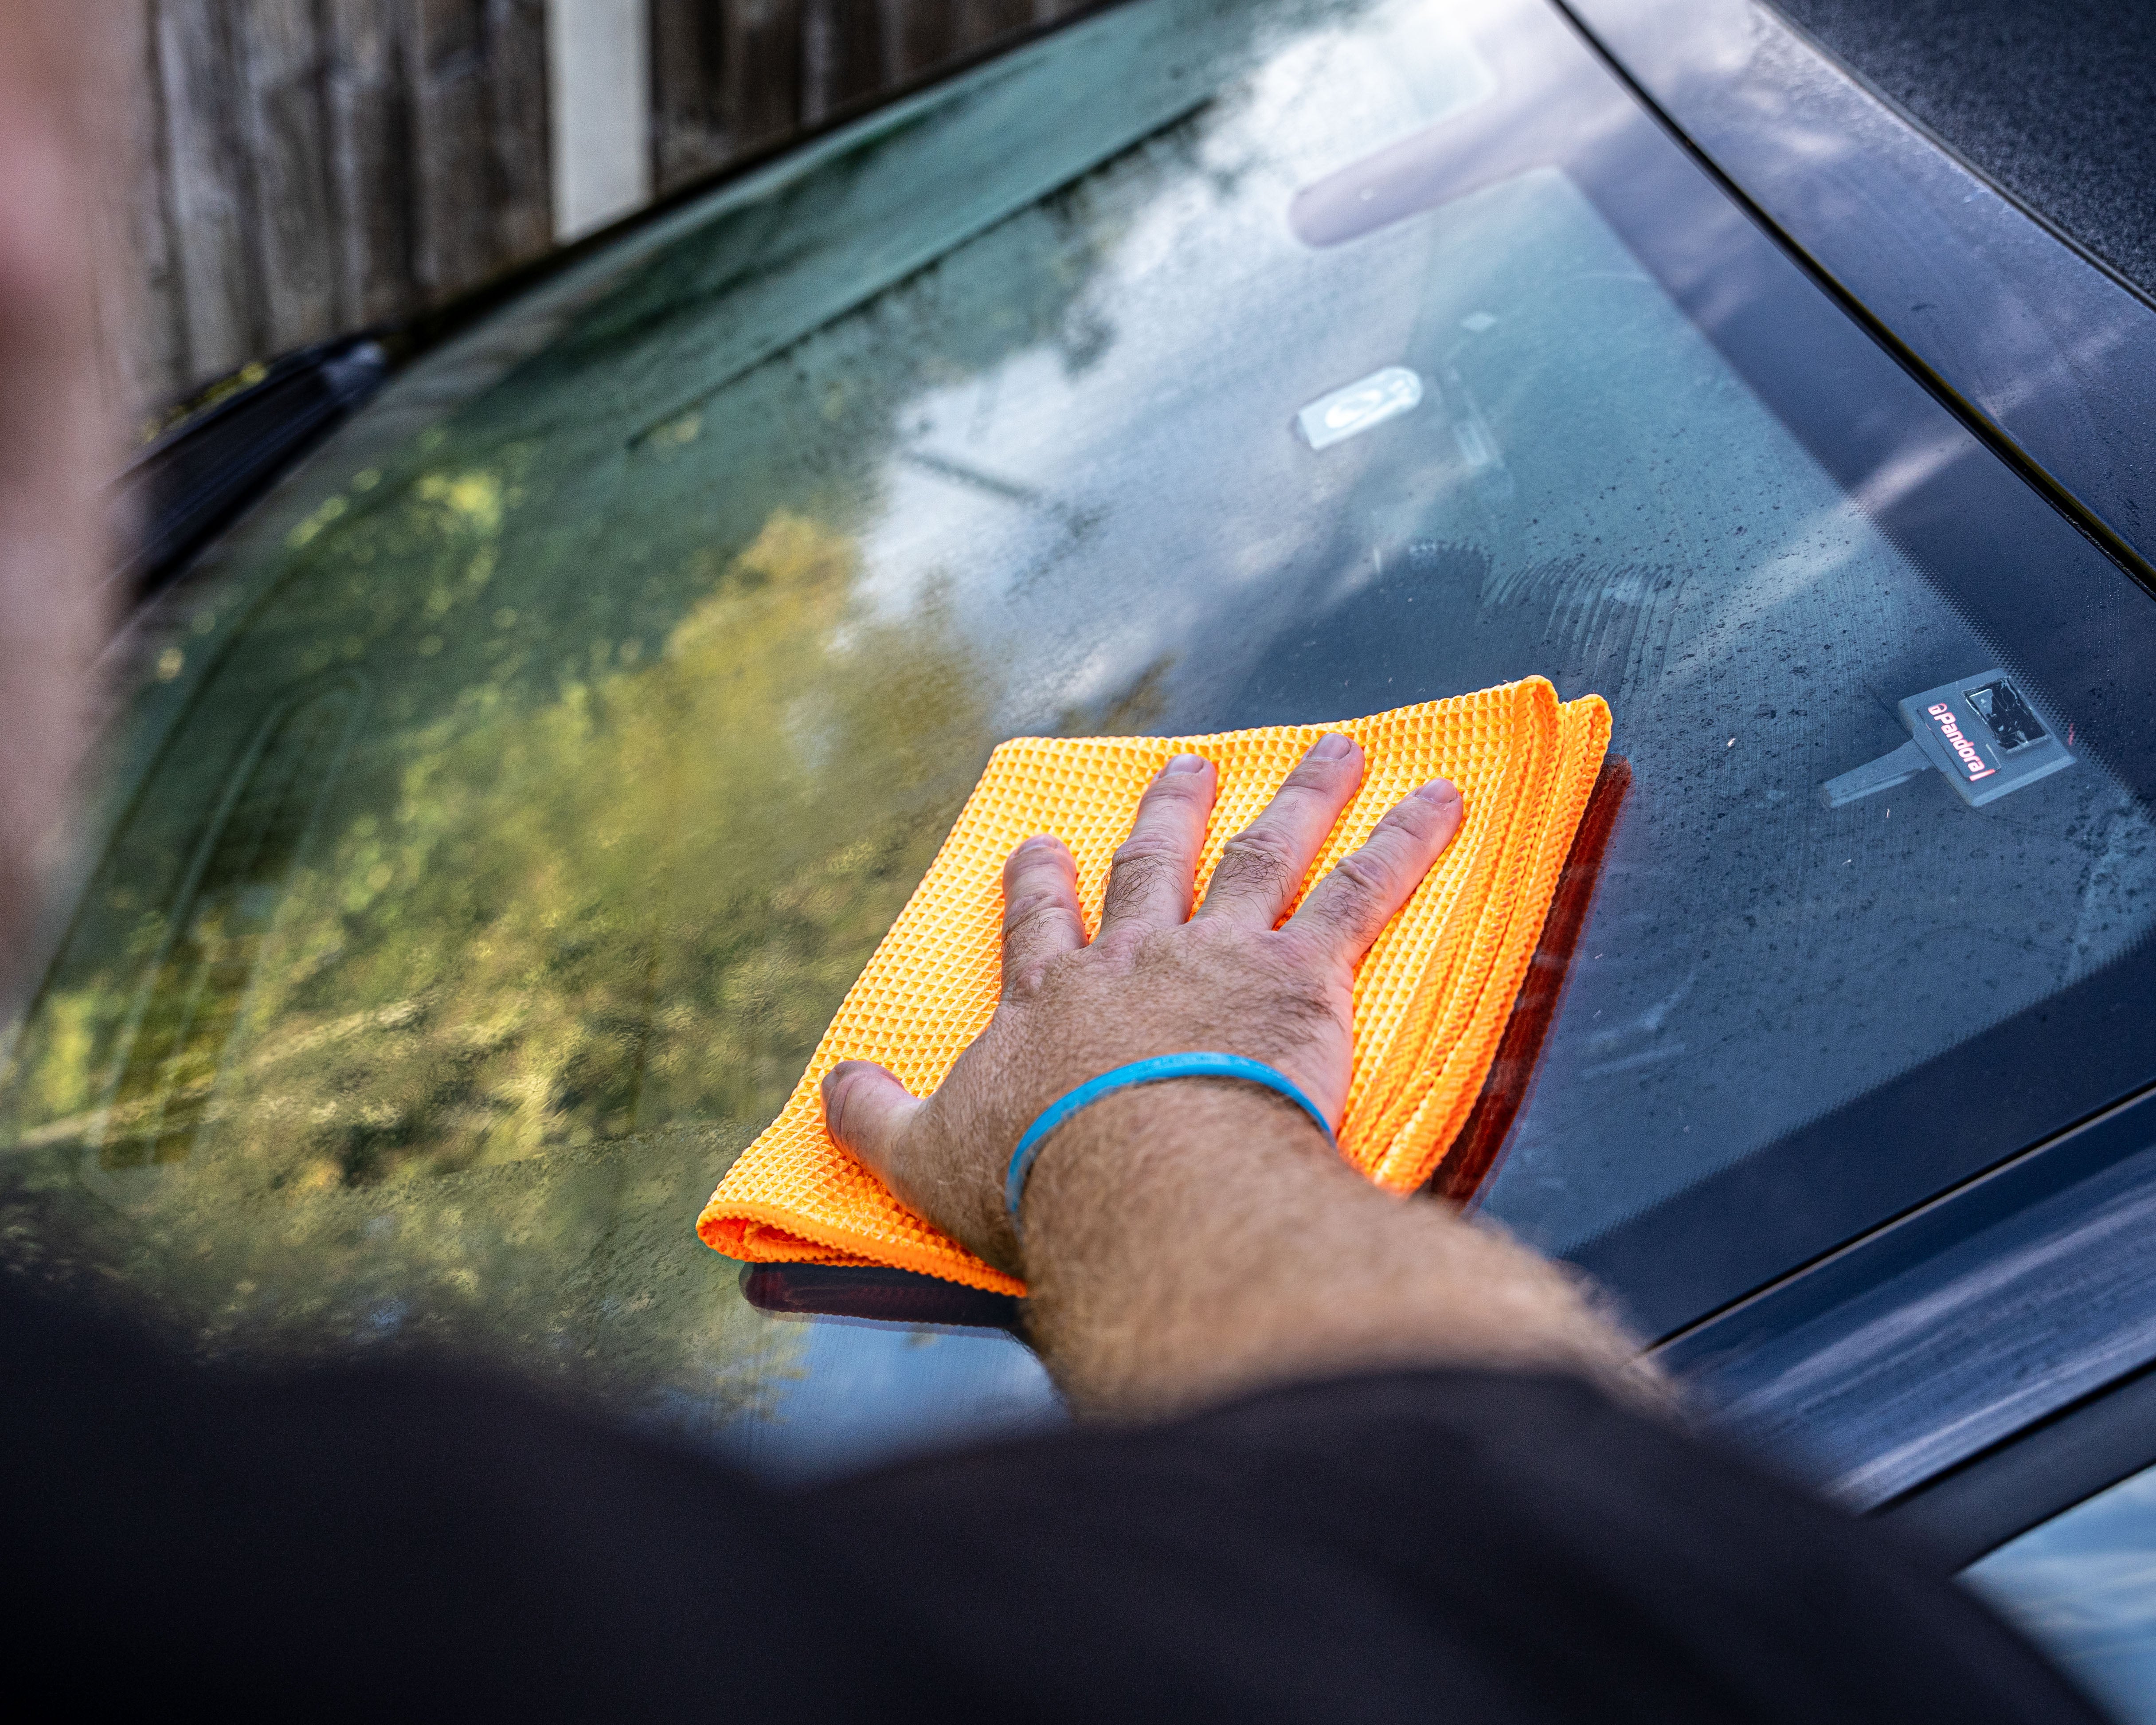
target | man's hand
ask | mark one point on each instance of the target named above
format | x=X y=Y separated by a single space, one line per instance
x=1199 y=1238
x=1157 y=979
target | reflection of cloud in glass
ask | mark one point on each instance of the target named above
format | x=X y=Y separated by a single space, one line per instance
x=1036 y=490
x=2083 y=1585
x=1337 y=93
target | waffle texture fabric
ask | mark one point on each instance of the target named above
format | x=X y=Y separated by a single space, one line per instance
x=1431 y=997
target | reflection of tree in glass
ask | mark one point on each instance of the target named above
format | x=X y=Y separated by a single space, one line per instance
x=216 y=933
x=639 y=782
x=641 y=769
x=635 y=903
x=631 y=903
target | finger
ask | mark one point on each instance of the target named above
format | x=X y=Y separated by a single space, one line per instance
x=866 y=1111
x=1150 y=884
x=1350 y=908
x=1262 y=866
x=1040 y=908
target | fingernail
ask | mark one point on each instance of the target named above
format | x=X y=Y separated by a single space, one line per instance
x=1184 y=764
x=1332 y=746
x=1439 y=790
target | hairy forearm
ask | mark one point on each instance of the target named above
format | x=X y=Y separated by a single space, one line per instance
x=1189 y=1241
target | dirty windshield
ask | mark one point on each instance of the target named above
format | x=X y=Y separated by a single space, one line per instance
x=498 y=818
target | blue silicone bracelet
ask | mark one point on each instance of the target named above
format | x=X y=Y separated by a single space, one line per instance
x=1152 y=1071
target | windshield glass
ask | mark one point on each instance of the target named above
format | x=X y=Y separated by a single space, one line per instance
x=2083 y=1586
x=502 y=816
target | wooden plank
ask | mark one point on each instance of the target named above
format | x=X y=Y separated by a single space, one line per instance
x=210 y=188
x=453 y=193
x=138 y=307
x=763 y=62
x=373 y=174
x=980 y=21
x=279 y=71
x=689 y=137
x=477 y=72
x=733 y=75
x=518 y=131
x=842 y=54
x=921 y=35
x=299 y=167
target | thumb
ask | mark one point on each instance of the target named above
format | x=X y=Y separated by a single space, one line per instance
x=867 y=1110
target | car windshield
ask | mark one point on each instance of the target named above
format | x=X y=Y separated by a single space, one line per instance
x=2083 y=1586
x=499 y=816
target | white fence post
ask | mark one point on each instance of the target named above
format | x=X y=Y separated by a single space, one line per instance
x=598 y=86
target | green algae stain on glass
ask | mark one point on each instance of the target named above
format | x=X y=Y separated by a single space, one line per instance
x=566 y=921
x=197 y=987
x=527 y=923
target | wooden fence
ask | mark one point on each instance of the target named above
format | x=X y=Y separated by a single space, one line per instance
x=293 y=169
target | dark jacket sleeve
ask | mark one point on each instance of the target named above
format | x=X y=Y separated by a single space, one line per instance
x=1452 y=1545
x=1458 y=1546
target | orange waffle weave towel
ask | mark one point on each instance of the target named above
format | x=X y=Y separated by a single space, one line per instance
x=1431 y=999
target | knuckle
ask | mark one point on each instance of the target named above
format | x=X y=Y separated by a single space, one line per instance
x=1145 y=850
x=1256 y=856
x=1026 y=911
x=1364 y=876
x=1357 y=903
x=1180 y=787
x=1027 y=982
x=1212 y=942
x=1117 y=951
x=1413 y=817
x=1034 y=979
x=1033 y=854
x=1310 y=772
x=1144 y=872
